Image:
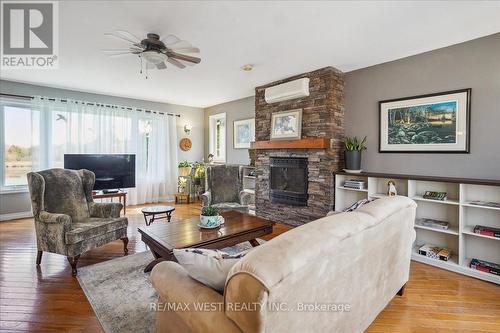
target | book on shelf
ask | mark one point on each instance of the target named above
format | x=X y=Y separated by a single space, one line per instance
x=485 y=203
x=485 y=266
x=487 y=231
x=442 y=196
x=435 y=252
x=355 y=183
x=432 y=223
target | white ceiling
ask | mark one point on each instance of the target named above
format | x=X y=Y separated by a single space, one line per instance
x=279 y=38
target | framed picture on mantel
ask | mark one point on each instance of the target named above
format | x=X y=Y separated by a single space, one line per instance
x=286 y=125
x=435 y=123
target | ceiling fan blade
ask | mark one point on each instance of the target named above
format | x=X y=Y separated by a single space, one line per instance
x=179 y=44
x=161 y=65
x=170 y=39
x=186 y=63
x=183 y=57
x=129 y=36
x=176 y=63
x=186 y=50
x=119 y=54
x=119 y=37
x=115 y=50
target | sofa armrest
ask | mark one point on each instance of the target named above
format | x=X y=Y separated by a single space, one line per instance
x=47 y=217
x=175 y=286
x=105 y=209
x=206 y=199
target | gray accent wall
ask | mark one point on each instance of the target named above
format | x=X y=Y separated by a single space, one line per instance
x=235 y=110
x=11 y=203
x=474 y=64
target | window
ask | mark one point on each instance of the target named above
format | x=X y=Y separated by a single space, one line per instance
x=20 y=141
x=217 y=136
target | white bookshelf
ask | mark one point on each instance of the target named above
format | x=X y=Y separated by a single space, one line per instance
x=457 y=210
x=249 y=187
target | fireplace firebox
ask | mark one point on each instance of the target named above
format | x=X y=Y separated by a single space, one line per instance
x=288 y=180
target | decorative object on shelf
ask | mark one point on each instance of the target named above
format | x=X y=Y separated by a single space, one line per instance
x=187 y=129
x=485 y=266
x=210 y=218
x=434 y=123
x=391 y=188
x=432 y=223
x=487 y=231
x=357 y=184
x=182 y=183
x=184 y=169
x=243 y=133
x=352 y=154
x=286 y=125
x=433 y=195
x=181 y=197
x=185 y=144
x=210 y=158
x=435 y=252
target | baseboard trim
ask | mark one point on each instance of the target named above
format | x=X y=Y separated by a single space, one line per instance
x=14 y=216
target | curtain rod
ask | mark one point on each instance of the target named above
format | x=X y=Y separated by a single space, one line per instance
x=91 y=103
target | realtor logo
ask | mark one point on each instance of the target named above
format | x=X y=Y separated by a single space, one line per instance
x=30 y=34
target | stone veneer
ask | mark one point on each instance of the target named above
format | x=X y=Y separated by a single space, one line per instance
x=322 y=116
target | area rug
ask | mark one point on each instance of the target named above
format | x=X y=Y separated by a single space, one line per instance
x=120 y=292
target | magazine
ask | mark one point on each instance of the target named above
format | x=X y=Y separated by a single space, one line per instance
x=432 y=223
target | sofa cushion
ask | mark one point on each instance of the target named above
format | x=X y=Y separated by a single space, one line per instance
x=92 y=227
x=209 y=267
x=225 y=206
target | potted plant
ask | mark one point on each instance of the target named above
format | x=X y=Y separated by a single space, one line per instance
x=210 y=218
x=352 y=153
x=182 y=183
x=184 y=169
x=199 y=173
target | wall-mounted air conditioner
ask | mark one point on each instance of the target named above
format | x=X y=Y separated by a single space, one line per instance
x=289 y=90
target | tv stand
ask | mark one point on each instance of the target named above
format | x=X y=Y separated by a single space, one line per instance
x=115 y=194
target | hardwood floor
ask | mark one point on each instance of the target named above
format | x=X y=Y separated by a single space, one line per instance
x=49 y=299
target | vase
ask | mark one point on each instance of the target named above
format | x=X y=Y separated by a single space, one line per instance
x=352 y=159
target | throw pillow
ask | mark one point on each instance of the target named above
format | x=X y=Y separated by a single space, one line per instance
x=358 y=204
x=209 y=267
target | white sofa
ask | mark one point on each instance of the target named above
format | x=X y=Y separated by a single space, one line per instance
x=359 y=259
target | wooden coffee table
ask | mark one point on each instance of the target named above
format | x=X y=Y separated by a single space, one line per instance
x=239 y=227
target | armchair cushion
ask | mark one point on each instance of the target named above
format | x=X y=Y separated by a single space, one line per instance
x=92 y=227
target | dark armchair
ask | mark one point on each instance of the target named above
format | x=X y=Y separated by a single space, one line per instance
x=67 y=220
x=225 y=188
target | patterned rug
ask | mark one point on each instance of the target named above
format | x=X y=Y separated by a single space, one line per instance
x=120 y=292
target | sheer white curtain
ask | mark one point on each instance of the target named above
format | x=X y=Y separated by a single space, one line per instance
x=79 y=127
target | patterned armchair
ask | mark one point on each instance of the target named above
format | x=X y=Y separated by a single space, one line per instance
x=225 y=188
x=67 y=220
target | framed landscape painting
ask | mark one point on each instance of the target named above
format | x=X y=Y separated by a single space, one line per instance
x=286 y=125
x=243 y=132
x=435 y=123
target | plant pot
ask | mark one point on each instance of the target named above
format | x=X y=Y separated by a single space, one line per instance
x=352 y=159
x=184 y=171
x=210 y=221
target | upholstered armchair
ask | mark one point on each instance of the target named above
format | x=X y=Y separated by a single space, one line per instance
x=67 y=220
x=225 y=188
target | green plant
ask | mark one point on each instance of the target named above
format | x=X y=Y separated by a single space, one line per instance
x=199 y=170
x=209 y=211
x=184 y=164
x=182 y=182
x=354 y=144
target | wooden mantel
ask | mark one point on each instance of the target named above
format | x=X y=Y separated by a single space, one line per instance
x=307 y=143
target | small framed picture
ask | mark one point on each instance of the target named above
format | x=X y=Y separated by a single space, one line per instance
x=243 y=133
x=286 y=125
x=435 y=123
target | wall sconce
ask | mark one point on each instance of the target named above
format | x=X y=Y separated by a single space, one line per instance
x=188 y=128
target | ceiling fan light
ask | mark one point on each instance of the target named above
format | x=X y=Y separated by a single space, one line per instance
x=154 y=57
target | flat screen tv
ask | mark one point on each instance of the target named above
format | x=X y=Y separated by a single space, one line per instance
x=112 y=171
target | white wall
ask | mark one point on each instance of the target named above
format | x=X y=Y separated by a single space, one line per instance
x=12 y=203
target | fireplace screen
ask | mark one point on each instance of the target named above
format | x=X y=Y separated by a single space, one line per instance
x=288 y=180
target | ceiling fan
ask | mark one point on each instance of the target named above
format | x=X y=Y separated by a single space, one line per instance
x=154 y=51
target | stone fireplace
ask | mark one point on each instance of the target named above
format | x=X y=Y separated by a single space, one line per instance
x=295 y=185
x=288 y=180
